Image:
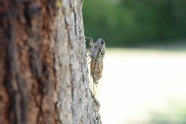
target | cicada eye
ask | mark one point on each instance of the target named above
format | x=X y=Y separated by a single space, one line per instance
x=102 y=42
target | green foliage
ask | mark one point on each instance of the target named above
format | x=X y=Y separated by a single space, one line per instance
x=135 y=22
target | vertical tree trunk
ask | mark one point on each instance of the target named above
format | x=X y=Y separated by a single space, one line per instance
x=43 y=69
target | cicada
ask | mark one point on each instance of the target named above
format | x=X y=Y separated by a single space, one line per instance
x=97 y=54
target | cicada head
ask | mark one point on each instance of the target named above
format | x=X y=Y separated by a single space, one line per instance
x=98 y=49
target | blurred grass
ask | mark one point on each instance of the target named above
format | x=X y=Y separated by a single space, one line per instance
x=174 y=113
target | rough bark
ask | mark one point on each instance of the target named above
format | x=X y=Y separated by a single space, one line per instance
x=43 y=69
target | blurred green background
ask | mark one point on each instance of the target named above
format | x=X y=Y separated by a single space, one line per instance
x=139 y=83
x=128 y=23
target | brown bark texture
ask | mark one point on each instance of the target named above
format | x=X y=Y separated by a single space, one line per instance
x=43 y=69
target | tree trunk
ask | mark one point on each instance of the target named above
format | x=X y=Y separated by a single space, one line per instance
x=43 y=69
